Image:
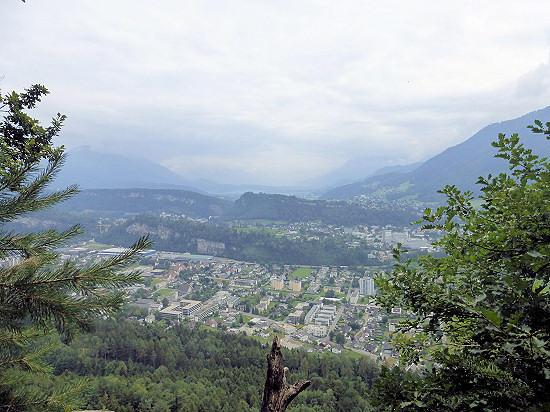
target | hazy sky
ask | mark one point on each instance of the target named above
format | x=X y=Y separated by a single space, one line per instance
x=277 y=91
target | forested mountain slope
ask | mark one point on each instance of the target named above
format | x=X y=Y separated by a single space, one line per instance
x=459 y=165
x=153 y=201
x=250 y=206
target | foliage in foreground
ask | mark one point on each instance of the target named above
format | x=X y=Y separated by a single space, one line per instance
x=482 y=310
x=40 y=296
x=153 y=368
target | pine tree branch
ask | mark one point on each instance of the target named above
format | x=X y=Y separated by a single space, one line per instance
x=28 y=198
x=28 y=361
x=37 y=293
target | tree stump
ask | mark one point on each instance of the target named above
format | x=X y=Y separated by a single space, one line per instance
x=277 y=394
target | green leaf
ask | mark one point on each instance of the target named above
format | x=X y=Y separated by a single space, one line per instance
x=491 y=316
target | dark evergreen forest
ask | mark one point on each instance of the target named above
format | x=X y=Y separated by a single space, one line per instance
x=129 y=366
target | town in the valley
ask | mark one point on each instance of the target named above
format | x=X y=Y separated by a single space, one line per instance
x=315 y=308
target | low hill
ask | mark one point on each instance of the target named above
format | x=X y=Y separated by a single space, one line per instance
x=254 y=206
x=152 y=201
x=250 y=206
x=459 y=165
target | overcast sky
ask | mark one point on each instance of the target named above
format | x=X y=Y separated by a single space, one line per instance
x=277 y=91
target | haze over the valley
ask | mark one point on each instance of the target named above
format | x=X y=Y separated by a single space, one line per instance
x=277 y=92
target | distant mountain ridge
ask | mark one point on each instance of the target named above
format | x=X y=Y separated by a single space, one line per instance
x=93 y=170
x=396 y=169
x=460 y=165
x=250 y=206
x=355 y=169
x=147 y=201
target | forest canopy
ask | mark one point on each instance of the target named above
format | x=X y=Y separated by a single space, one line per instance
x=482 y=336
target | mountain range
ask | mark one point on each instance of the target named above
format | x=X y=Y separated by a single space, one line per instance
x=94 y=170
x=460 y=165
x=116 y=203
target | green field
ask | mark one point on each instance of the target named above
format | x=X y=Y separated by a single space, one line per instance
x=97 y=246
x=301 y=273
x=310 y=297
x=353 y=354
x=156 y=281
x=256 y=229
x=162 y=292
x=263 y=340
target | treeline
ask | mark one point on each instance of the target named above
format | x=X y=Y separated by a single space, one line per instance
x=180 y=235
x=129 y=367
x=154 y=201
x=251 y=206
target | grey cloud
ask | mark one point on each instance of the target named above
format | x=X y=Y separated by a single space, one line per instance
x=255 y=87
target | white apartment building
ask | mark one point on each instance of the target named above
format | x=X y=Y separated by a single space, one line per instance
x=367 y=286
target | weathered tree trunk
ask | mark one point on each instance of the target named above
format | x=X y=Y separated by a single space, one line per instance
x=277 y=394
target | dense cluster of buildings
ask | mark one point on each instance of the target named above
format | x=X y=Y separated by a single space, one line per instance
x=313 y=305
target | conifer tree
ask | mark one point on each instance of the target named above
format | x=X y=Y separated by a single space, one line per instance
x=480 y=314
x=40 y=296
